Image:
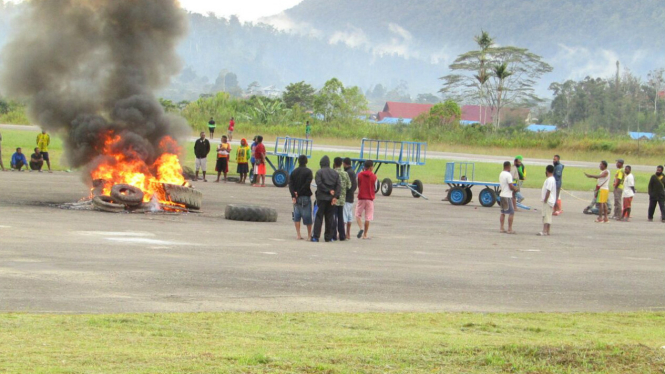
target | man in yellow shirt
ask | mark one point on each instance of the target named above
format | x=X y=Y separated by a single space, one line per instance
x=43 y=141
x=619 y=177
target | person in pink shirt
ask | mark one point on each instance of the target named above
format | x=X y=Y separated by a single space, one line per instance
x=366 y=195
x=232 y=126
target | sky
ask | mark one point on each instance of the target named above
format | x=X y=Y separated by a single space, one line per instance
x=246 y=10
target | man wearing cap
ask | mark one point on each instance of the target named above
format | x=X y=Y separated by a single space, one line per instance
x=619 y=177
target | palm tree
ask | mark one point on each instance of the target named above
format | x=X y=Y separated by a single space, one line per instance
x=501 y=73
x=485 y=42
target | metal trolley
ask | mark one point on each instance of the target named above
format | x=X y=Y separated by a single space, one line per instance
x=287 y=150
x=401 y=154
x=460 y=178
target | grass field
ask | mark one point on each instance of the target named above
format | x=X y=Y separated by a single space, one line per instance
x=432 y=173
x=333 y=343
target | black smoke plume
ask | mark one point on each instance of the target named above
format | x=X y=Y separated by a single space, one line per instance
x=89 y=68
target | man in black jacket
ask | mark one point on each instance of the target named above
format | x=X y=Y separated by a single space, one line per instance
x=328 y=188
x=301 y=194
x=657 y=194
x=201 y=150
x=349 y=217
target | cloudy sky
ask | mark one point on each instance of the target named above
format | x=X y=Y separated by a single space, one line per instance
x=246 y=10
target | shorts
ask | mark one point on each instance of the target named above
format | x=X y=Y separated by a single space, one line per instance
x=260 y=169
x=507 y=206
x=201 y=163
x=547 y=213
x=603 y=195
x=222 y=165
x=348 y=212
x=366 y=206
x=302 y=210
x=627 y=202
x=230 y=133
x=243 y=168
x=45 y=155
x=211 y=129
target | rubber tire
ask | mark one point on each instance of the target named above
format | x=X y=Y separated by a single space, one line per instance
x=233 y=179
x=386 y=187
x=469 y=196
x=280 y=178
x=250 y=213
x=487 y=198
x=419 y=187
x=252 y=179
x=132 y=197
x=106 y=204
x=187 y=196
x=457 y=195
x=377 y=186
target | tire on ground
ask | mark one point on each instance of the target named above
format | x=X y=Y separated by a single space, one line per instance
x=487 y=197
x=106 y=204
x=127 y=194
x=250 y=213
x=457 y=195
x=233 y=179
x=469 y=196
x=419 y=187
x=387 y=187
x=186 y=196
x=280 y=178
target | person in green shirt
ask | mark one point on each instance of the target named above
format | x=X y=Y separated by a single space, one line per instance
x=619 y=177
x=340 y=231
x=308 y=130
x=212 y=125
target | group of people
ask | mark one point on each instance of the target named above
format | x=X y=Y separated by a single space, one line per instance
x=19 y=162
x=244 y=155
x=212 y=125
x=335 y=195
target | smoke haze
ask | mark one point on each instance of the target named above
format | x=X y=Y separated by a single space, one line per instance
x=88 y=69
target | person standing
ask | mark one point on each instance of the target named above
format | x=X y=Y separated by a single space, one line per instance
x=232 y=126
x=242 y=158
x=2 y=165
x=18 y=160
x=36 y=161
x=521 y=171
x=603 y=188
x=558 y=177
x=43 y=141
x=506 y=196
x=366 y=195
x=619 y=176
x=201 y=150
x=212 y=125
x=260 y=158
x=308 y=131
x=657 y=194
x=516 y=182
x=223 y=155
x=328 y=189
x=628 y=193
x=548 y=197
x=300 y=183
x=350 y=196
x=345 y=182
x=252 y=160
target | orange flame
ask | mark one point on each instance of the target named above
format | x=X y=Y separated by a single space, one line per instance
x=125 y=166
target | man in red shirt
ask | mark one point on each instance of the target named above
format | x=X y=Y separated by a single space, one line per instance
x=366 y=191
x=260 y=157
x=232 y=126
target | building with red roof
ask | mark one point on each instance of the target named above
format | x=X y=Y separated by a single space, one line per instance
x=394 y=109
x=485 y=114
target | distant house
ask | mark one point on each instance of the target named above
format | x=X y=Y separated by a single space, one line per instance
x=394 y=121
x=641 y=135
x=404 y=111
x=485 y=114
x=541 y=128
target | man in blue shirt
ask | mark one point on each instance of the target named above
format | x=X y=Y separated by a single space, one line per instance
x=558 y=174
x=19 y=160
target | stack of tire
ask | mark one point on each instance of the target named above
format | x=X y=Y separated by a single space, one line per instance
x=125 y=197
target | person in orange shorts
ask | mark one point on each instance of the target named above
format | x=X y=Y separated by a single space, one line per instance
x=603 y=188
x=260 y=157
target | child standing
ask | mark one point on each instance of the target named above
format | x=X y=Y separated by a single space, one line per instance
x=628 y=193
x=223 y=152
x=242 y=158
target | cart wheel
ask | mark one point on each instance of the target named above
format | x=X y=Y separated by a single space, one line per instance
x=386 y=187
x=280 y=178
x=487 y=197
x=377 y=185
x=457 y=196
x=418 y=186
x=469 y=195
x=252 y=178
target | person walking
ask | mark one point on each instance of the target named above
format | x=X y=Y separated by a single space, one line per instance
x=201 y=150
x=232 y=126
x=558 y=177
x=506 y=196
x=603 y=188
x=628 y=193
x=619 y=177
x=300 y=183
x=242 y=159
x=211 y=127
x=366 y=195
x=657 y=194
x=328 y=189
x=548 y=197
x=350 y=197
x=340 y=231
x=260 y=159
x=223 y=156
x=43 y=141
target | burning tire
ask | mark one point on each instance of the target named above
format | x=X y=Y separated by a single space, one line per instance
x=126 y=194
x=107 y=204
x=186 y=196
x=250 y=213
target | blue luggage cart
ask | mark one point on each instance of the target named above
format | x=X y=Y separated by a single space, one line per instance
x=401 y=154
x=287 y=150
x=460 y=178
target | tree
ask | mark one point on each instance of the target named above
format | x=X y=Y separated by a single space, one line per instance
x=656 y=83
x=446 y=113
x=335 y=102
x=475 y=77
x=299 y=93
x=427 y=98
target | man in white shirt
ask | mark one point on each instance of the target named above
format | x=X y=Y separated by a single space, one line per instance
x=628 y=193
x=603 y=188
x=506 y=195
x=548 y=197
